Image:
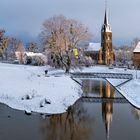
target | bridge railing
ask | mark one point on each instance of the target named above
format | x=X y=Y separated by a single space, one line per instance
x=103 y=100
x=102 y=75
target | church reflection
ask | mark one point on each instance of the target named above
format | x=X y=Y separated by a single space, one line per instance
x=78 y=123
x=136 y=113
x=107 y=108
x=97 y=88
x=102 y=89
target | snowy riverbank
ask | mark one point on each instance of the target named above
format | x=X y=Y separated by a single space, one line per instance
x=19 y=82
x=130 y=90
x=53 y=94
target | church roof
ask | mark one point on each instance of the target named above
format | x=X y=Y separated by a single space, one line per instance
x=137 y=49
x=93 y=47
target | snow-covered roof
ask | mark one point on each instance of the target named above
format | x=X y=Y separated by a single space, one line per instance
x=33 y=54
x=137 y=49
x=106 y=28
x=93 y=47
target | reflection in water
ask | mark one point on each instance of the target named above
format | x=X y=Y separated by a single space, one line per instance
x=136 y=113
x=76 y=123
x=93 y=120
x=107 y=108
x=86 y=120
x=73 y=125
x=97 y=88
x=101 y=89
x=90 y=87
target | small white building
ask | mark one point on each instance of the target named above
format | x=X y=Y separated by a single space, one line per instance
x=31 y=58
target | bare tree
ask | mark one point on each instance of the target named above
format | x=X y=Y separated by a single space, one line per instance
x=3 y=44
x=20 y=51
x=135 y=42
x=32 y=47
x=124 y=53
x=62 y=37
x=11 y=49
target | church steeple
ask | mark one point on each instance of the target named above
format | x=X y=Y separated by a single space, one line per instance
x=106 y=26
x=107 y=55
x=106 y=22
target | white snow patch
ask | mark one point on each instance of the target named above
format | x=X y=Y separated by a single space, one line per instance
x=17 y=81
x=129 y=90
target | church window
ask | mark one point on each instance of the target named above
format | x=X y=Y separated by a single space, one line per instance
x=108 y=38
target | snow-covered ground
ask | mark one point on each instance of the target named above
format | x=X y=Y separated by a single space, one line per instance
x=105 y=69
x=20 y=82
x=130 y=90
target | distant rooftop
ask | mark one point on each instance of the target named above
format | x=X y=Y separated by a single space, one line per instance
x=137 y=49
x=93 y=47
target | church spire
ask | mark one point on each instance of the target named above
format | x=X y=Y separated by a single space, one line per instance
x=106 y=22
x=106 y=26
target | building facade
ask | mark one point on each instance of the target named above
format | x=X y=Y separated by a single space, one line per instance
x=136 y=56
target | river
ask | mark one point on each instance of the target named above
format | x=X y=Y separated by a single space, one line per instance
x=87 y=119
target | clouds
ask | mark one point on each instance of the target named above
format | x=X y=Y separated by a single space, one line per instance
x=18 y=16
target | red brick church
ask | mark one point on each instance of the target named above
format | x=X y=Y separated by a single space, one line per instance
x=103 y=52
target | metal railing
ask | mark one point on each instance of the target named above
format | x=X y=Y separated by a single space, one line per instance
x=101 y=75
x=104 y=100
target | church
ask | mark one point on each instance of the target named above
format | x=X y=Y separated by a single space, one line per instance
x=103 y=53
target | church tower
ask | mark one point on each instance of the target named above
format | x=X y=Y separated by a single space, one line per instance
x=107 y=55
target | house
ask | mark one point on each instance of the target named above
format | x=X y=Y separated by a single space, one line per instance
x=34 y=58
x=136 y=56
x=31 y=58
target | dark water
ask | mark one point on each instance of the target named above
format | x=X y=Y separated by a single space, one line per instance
x=83 y=121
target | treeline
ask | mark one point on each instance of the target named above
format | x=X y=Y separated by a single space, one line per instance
x=61 y=38
x=124 y=53
x=9 y=45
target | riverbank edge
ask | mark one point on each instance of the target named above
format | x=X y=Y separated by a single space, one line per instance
x=26 y=88
x=132 y=102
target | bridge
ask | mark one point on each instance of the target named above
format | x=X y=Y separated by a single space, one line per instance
x=82 y=75
x=103 y=100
